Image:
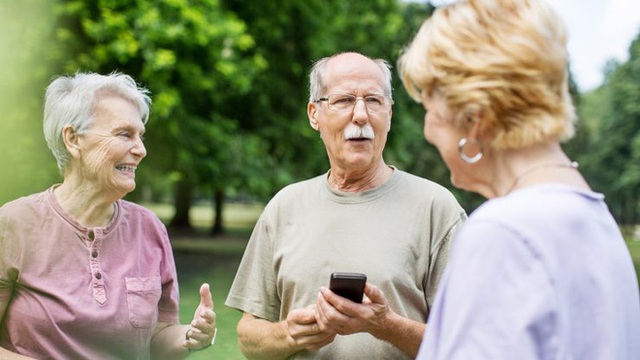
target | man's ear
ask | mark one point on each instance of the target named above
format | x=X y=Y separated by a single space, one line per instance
x=312 y=113
x=71 y=140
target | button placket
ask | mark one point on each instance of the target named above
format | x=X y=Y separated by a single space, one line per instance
x=97 y=277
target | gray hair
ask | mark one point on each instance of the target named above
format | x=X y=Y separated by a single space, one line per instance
x=71 y=100
x=317 y=85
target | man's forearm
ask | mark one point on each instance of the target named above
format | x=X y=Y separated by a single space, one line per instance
x=403 y=333
x=261 y=339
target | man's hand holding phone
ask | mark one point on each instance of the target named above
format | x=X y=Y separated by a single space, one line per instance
x=344 y=316
x=303 y=332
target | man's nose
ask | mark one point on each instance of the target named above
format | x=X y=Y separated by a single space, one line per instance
x=360 y=113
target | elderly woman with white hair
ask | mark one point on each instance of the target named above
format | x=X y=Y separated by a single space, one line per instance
x=83 y=273
x=539 y=271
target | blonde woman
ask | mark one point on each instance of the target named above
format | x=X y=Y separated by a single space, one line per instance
x=540 y=271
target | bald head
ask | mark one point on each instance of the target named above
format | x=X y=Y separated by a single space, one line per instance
x=330 y=69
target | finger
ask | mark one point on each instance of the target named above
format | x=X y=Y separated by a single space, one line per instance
x=303 y=316
x=204 y=324
x=333 y=303
x=205 y=296
x=199 y=334
x=320 y=311
x=195 y=344
x=199 y=338
x=317 y=339
x=374 y=294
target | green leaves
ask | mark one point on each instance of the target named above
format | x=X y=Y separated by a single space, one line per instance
x=613 y=113
x=229 y=87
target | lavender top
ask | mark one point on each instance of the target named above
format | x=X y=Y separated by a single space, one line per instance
x=543 y=273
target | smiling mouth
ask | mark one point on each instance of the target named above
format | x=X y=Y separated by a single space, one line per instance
x=126 y=168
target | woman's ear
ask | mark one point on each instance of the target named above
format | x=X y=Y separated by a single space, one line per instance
x=312 y=113
x=71 y=140
x=476 y=122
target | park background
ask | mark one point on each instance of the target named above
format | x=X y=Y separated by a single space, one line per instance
x=228 y=126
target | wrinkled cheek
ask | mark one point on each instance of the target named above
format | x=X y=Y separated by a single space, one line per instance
x=96 y=165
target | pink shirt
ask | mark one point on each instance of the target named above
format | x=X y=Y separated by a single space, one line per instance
x=80 y=293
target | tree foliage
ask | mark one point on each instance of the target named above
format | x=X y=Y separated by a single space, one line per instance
x=229 y=81
x=613 y=161
x=195 y=58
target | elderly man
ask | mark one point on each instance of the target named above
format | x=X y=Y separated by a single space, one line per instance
x=361 y=216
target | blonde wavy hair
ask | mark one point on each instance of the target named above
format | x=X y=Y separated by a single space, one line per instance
x=501 y=61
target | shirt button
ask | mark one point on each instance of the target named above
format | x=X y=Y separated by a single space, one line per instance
x=98 y=276
x=92 y=235
x=94 y=254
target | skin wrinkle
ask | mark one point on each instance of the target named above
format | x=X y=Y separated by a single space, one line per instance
x=94 y=125
x=355 y=165
x=114 y=144
x=113 y=139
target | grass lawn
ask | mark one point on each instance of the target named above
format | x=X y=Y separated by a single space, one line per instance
x=195 y=269
x=201 y=258
x=634 y=248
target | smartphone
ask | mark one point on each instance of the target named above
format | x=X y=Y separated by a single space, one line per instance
x=348 y=285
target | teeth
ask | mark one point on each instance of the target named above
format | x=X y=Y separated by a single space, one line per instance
x=126 y=168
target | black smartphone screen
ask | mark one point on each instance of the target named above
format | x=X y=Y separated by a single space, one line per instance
x=348 y=285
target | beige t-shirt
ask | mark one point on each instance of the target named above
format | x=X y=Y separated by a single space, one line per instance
x=398 y=234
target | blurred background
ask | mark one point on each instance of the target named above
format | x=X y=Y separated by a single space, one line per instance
x=228 y=126
x=229 y=86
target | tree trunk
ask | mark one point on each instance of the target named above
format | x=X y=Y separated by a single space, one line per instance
x=182 y=204
x=218 y=203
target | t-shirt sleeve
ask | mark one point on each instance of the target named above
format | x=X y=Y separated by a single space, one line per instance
x=439 y=254
x=254 y=289
x=446 y=221
x=494 y=302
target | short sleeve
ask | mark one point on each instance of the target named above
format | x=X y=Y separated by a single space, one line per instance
x=439 y=255
x=254 y=289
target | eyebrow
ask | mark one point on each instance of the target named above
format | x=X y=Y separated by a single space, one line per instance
x=129 y=127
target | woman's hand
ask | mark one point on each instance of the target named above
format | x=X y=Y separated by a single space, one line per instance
x=202 y=333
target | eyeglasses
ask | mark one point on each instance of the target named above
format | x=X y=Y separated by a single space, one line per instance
x=346 y=102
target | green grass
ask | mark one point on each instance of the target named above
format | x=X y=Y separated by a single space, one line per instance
x=201 y=258
x=634 y=249
x=235 y=216
x=195 y=269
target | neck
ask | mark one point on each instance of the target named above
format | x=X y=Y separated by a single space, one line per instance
x=569 y=165
x=86 y=207
x=511 y=169
x=357 y=181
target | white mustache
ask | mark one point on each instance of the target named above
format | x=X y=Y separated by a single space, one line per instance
x=358 y=132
